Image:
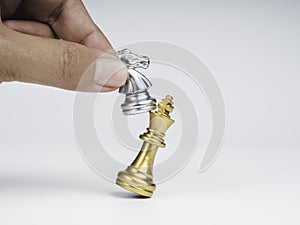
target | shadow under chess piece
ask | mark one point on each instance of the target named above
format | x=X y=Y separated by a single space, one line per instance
x=138 y=176
x=138 y=99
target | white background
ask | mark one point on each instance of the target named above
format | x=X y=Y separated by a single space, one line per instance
x=253 y=50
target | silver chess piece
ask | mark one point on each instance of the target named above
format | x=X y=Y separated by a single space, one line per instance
x=137 y=97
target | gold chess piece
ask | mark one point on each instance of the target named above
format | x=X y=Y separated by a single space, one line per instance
x=138 y=176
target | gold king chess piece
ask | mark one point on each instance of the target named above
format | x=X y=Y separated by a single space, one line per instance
x=138 y=176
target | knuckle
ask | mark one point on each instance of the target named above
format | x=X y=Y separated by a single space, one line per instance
x=74 y=61
x=70 y=61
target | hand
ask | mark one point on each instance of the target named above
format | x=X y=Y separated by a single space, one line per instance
x=82 y=59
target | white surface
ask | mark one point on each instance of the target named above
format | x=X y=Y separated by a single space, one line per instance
x=243 y=187
x=252 y=49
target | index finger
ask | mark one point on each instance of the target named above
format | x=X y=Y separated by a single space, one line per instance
x=71 y=21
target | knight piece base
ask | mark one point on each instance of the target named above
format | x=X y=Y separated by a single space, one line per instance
x=138 y=103
x=136 y=181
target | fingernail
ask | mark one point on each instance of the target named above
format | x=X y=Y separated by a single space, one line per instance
x=110 y=72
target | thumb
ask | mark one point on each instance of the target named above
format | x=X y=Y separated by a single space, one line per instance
x=58 y=63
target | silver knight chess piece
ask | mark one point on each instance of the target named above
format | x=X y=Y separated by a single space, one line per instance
x=137 y=97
